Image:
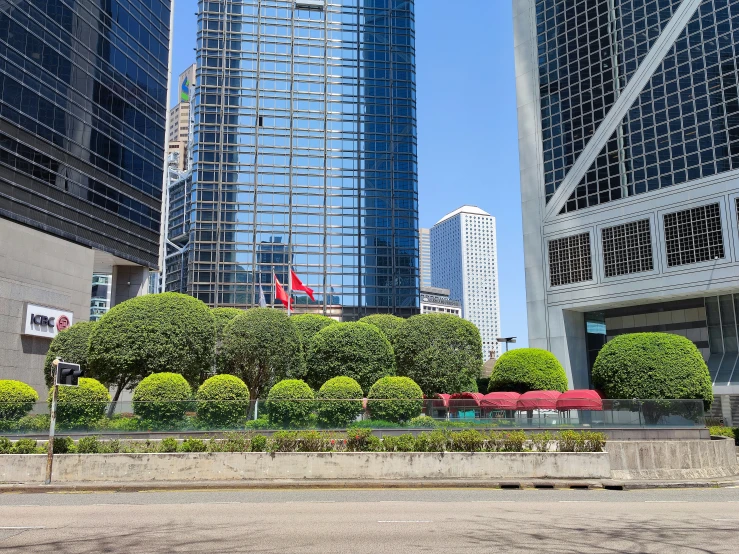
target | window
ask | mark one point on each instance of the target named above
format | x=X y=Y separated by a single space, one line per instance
x=694 y=235
x=627 y=248
x=570 y=260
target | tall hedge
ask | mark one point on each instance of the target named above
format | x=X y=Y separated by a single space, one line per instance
x=222 y=317
x=525 y=369
x=81 y=406
x=262 y=346
x=387 y=323
x=155 y=333
x=16 y=399
x=440 y=352
x=309 y=324
x=356 y=350
x=339 y=402
x=652 y=366
x=71 y=345
x=396 y=399
x=162 y=397
x=290 y=403
x=223 y=401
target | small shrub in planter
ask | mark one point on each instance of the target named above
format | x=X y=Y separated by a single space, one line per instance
x=339 y=402
x=362 y=440
x=422 y=422
x=25 y=446
x=162 y=398
x=526 y=369
x=541 y=441
x=513 y=441
x=283 y=441
x=193 y=445
x=223 y=401
x=16 y=399
x=34 y=423
x=168 y=445
x=313 y=441
x=89 y=445
x=63 y=445
x=399 y=443
x=467 y=441
x=435 y=441
x=81 y=407
x=290 y=403
x=396 y=399
x=258 y=443
x=567 y=441
x=6 y=447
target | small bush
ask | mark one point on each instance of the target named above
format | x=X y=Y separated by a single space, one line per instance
x=258 y=443
x=168 y=445
x=81 y=407
x=261 y=423
x=387 y=323
x=513 y=441
x=719 y=431
x=110 y=447
x=374 y=424
x=234 y=442
x=16 y=399
x=63 y=445
x=34 y=423
x=5 y=446
x=467 y=441
x=283 y=441
x=567 y=441
x=541 y=441
x=422 y=422
x=25 y=446
x=435 y=441
x=395 y=399
x=593 y=441
x=308 y=325
x=362 y=440
x=290 y=403
x=526 y=369
x=313 y=441
x=399 y=443
x=162 y=398
x=191 y=444
x=89 y=445
x=339 y=402
x=223 y=401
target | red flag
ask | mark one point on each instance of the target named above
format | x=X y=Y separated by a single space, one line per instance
x=297 y=284
x=281 y=295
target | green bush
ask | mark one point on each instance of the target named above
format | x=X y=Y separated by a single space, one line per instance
x=89 y=445
x=25 y=446
x=261 y=423
x=6 y=447
x=71 y=345
x=82 y=406
x=387 y=323
x=162 y=398
x=526 y=369
x=356 y=350
x=470 y=440
x=652 y=366
x=258 y=443
x=313 y=441
x=541 y=441
x=262 y=346
x=222 y=316
x=435 y=441
x=62 y=445
x=154 y=333
x=422 y=421
x=513 y=441
x=362 y=440
x=168 y=445
x=191 y=444
x=339 y=402
x=441 y=352
x=16 y=399
x=399 y=443
x=396 y=399
x=38 y=423
x=308 y=325
x=720 y=431
x=290 y=403
x=223 y=401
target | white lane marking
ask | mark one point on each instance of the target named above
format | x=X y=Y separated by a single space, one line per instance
x=496 y=501
x=665 y=501
x=566 y=501
x=404 y=521
x=15 y=528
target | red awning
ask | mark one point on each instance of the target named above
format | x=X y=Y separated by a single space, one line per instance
x=583 y=399
x=500 y=400
x=465 y=399
x=538 y=400
x=441 y=400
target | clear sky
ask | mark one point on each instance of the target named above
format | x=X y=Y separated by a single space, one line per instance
x=467 y=137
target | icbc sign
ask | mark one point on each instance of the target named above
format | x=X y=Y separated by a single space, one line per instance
x=42 y=321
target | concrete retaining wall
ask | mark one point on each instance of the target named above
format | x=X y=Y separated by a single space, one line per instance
x=223 y=466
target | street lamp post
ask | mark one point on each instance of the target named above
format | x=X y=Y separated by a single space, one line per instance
x=507 y=341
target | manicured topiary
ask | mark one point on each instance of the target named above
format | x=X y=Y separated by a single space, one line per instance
x=440 y=352
x=290 y=403
x=652 y=366
x=526 y=369
x=16 y=399
x=339 y=402
x=395 y=399
x=308 y=325
x=82 y=406
x=71 y=345
x=223 y=401
x=168 y=332
x=356 y=350
x=387 y=323
x=262 y=346
x=222 y=317
x=162 y=397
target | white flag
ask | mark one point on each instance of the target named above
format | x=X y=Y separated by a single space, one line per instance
x=262 y=299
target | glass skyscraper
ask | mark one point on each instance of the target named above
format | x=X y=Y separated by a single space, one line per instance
x=305 y=155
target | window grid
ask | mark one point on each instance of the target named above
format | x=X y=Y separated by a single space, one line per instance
x=570 y=260
x=627 y=248
x=694 y=235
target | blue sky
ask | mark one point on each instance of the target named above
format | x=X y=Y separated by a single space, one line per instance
x=467 y=136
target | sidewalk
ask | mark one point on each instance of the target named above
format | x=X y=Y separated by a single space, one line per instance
x=284 y=484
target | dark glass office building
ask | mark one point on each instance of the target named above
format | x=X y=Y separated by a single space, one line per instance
x=305 y=155
x=82 y=112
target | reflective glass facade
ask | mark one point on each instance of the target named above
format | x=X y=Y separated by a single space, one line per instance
x=305 y=154
x=82 y=114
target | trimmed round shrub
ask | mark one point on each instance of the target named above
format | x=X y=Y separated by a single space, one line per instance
x=356 y=350
x=652 y=366
x=262 y=346
x=16 y=399
x=395 y=399
x=71 y=345
x=162 y=397
x=290 y=403
x=82 y=406
x=222 y=316
x=309 y=324
x=387 y=323
x=440 y=352
x=154 y=333
x=223 y=401
x=526 y=369
x=339 y=402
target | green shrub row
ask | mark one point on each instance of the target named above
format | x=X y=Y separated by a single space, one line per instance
x=721 y=431
x=355 y=440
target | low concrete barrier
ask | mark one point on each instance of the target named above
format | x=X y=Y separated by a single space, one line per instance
x=223 y=466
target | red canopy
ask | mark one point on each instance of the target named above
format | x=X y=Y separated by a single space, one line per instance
x=583 y=399
x=500 y=400
x=475 y=398
x=538 y=400
x=441 y=400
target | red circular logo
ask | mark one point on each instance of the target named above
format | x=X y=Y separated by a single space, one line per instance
x=62 y=323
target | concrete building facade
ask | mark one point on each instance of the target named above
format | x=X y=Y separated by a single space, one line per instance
x=424 y=259
x=628 y=117
x=437 y=301
x=464 y=260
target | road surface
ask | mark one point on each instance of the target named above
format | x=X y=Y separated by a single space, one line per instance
x=453 y=521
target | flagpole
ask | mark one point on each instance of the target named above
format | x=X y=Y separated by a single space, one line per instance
x=274 y=287
x=289 y=288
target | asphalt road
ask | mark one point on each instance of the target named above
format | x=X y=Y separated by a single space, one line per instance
x=453 y=521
